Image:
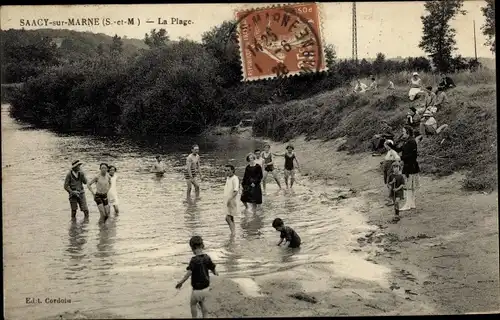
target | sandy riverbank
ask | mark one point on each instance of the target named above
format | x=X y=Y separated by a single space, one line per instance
x=443 y=258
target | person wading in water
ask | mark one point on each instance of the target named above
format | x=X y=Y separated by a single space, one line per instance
x=269 y=167
x=192 y=171
x=103 y=184
x=73 y=184
x=290 y=160
x=159 y=167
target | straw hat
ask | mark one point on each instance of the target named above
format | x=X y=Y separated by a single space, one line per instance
x=76 y=163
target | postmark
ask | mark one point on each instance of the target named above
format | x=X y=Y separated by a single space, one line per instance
x=280 y=41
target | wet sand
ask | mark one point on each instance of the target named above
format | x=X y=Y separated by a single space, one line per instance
x=441 y=259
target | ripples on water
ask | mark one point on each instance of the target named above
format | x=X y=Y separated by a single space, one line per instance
x=131 y=264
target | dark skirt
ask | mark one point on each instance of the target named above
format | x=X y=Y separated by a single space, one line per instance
x=410 y=167
x=252 y=194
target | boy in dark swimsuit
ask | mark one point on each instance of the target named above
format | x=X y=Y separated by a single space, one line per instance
x=103 y=184
x=287 y=234
x=290 y=157
x=198 y=269
x=268 y=167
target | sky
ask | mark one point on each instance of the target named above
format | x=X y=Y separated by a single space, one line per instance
x=393 y=28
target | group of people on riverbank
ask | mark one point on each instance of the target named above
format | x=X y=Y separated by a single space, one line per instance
x=400 y=166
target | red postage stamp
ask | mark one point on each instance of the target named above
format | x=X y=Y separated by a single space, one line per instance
x=280 y=41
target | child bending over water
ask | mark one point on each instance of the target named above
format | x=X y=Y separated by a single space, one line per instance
x=287 y=234
x=200 y=279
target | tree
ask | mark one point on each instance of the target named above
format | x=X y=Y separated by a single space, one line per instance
x=379 y=65
x=157 y=39
x=438 y=39
x=489 y=25
x=116 y=46
x=222 y=43
x=330 y=56
x=25 y=54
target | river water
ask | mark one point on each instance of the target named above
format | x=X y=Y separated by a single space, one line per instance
x=129 y=267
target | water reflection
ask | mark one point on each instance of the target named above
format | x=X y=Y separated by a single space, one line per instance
x=77 y=235
x=288 y=254
x=232 y=257
x=191 y=216
x=251 y=223
x=107 y=235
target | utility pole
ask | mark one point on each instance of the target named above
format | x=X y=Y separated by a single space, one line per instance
x=475 y=46
x=354 y=34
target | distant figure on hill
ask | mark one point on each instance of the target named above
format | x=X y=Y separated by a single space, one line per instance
x=360 y=87
x=373 y=85
x=415 y=86
x=378 y=140
x=428 y=126
x=386 y=83
x=430 y=100
x=446 y=82
x=413 y=118
x=441 y=98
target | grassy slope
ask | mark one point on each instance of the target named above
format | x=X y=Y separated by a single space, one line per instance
x=470 y=113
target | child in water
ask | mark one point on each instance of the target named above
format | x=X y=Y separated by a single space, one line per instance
x=112 y=193
x=290 y=161
x=396 y=183
x=287 y=234
x=198 y=269
x=269 y=167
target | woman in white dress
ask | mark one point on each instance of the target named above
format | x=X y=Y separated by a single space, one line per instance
x=416 y=86
x=112 y=193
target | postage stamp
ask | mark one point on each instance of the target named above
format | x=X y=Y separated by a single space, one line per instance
x=280 y=41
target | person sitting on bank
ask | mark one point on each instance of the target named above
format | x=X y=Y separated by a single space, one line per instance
x=373 y=85
x=360 y=87
x=446 y=82
x=441 y=98
x=428 y=126
x=415 y=86
x=378 y=140
x=413 y=118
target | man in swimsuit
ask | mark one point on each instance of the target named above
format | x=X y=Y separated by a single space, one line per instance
x=73 y=184
x=159 y=167
x=103 y=184
x=192 y=170
x=269 y=167
x=290 y=157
